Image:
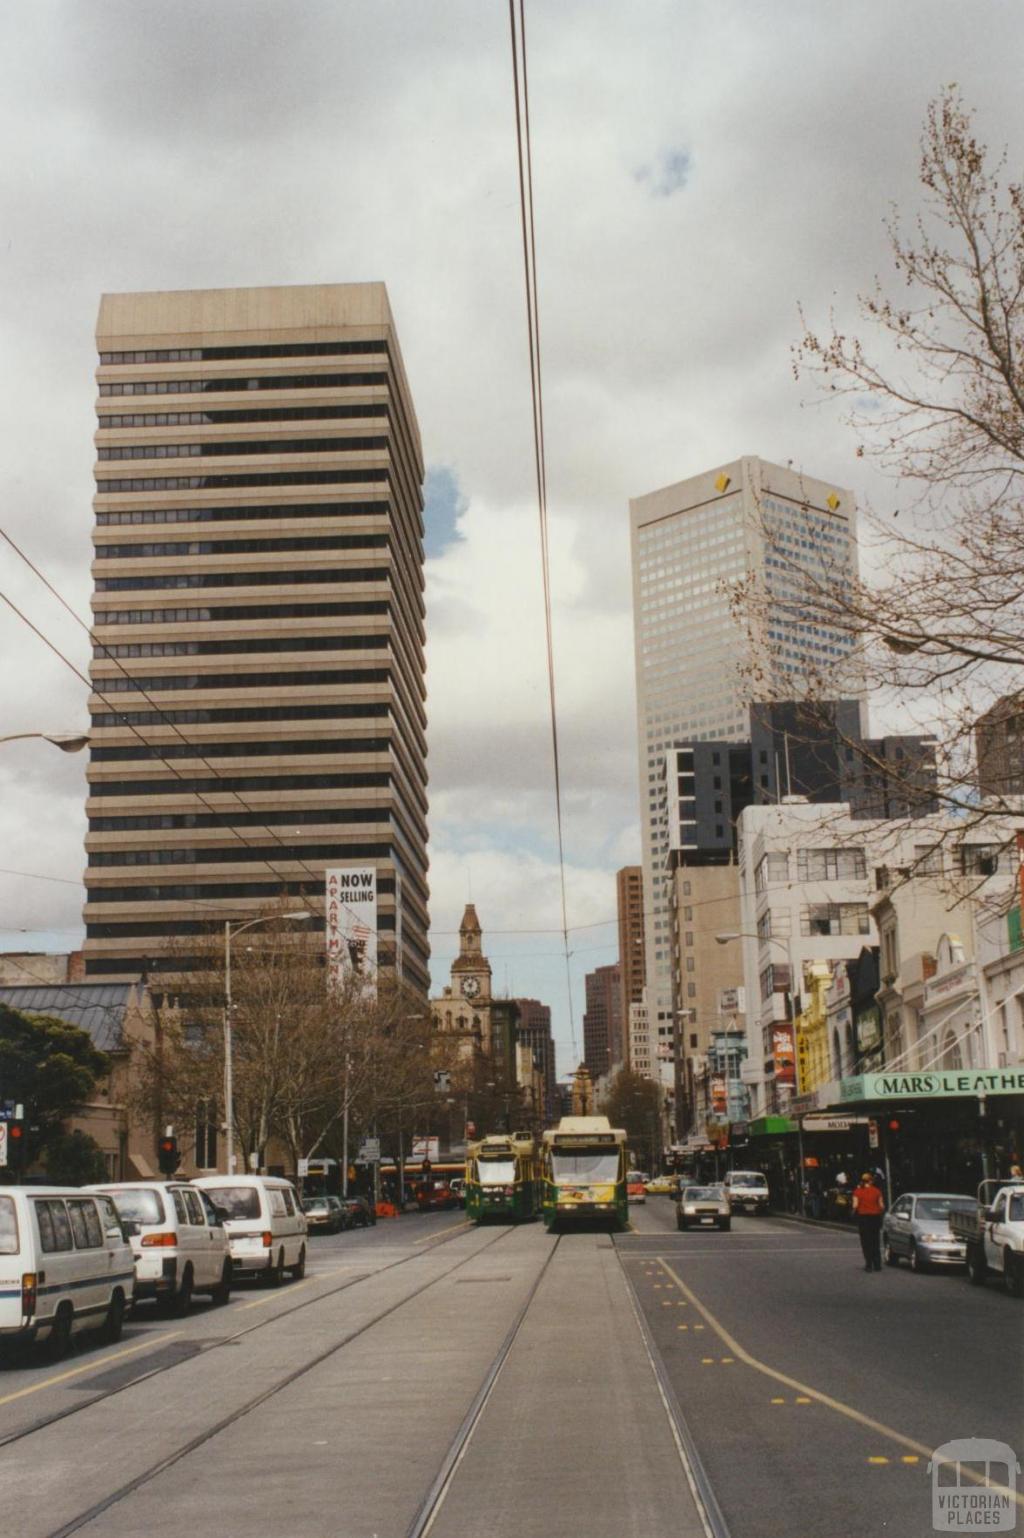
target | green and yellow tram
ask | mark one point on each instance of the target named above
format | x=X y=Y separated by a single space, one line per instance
x=501 y=1178
x=583 y=1169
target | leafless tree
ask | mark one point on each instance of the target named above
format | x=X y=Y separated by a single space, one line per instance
x=934 y=386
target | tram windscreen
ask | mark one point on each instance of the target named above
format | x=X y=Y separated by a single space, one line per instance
x=497 y=1172
x=584 y=1165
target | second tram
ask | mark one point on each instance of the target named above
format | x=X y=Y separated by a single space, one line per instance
x=584 y=1173
x=502 y=1178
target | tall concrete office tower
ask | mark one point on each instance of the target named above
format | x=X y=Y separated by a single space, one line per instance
x=698 y=667
x=258 y=671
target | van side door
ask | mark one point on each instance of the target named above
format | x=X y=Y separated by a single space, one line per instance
x=208 y=1260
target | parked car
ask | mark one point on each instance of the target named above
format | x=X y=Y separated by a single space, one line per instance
x=747 y=1191
x=178 y=1240
x=65 y=1266
x=324 y=1214
x=916 y=1229
x=992 y=1229
x=636 y=1190
x=435 y=1196
x=265 y=1224
x=703 y=1207
x=356 y=1212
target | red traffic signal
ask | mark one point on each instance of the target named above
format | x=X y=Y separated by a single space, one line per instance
x=894 y=1124
x=168 y=1156
x=15 y=1131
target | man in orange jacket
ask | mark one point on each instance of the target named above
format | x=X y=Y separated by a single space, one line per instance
x=868 y=1206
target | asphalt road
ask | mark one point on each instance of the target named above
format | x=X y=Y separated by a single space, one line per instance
x=815 y=1391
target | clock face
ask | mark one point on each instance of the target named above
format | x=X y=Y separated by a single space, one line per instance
x=470 y=987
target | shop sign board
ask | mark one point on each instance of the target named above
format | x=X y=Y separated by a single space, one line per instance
x=934 y=1085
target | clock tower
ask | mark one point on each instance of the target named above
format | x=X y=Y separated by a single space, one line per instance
x=465 y=1009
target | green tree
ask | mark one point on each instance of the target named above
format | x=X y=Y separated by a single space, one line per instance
x=74 y=1159
x=634 y=1102
x=49 y=1067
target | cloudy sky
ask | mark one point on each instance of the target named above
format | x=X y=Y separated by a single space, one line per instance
x=700 y=169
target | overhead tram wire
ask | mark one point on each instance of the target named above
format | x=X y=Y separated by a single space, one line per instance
x=152 y=748
x=526 y=211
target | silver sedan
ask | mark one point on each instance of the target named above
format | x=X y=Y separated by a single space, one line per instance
x=916 y=1229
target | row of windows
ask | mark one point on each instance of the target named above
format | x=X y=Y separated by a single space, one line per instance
x=163 y=752
x=229 y=819
x=236 y=713
x=250 y=350
x=250 y=382
x=107 y=966
x=140 y=929
x=241 y=579
x=218 y=418
x=259 y=646
x=210 y=482
x=247 y=446
x=244 y=854
x=145 y=515
x=155 y=551
x=243 y=611
x=200 y=891
x=136 y=684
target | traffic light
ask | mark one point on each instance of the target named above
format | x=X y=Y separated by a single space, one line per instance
x=16 y=1144
x=893 y=1124
x=167 y=1153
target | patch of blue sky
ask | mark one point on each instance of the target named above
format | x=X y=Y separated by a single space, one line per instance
x=667 y=174
x=444 y=504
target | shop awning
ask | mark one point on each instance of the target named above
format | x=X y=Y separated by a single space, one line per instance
x=771 y=1126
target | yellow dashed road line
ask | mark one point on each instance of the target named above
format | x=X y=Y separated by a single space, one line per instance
x=813 y=1394
x=97 y=1362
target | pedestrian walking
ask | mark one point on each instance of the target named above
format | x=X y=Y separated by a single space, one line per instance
x=868 y=1207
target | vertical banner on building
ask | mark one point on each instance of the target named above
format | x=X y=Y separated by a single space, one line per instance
x=783 y=1051
x=351 y=927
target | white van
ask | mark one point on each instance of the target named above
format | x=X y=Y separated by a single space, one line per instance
x=178 y=1238
x=265 y=1224
x=65 y=1265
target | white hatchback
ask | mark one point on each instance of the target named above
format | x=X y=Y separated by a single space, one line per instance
x=178 y=1239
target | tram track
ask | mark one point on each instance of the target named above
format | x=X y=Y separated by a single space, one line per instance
x=42 y=1423
x=434 y=1499
x=208 y=1434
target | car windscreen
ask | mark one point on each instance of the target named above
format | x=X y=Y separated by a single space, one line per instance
x=586 y=1165
x=8 y=1227
x=139 y=1206
x=316 y=1204
x=235 y=1204
x=703 y=1194
x=749 y=1182
x=497 y=1172
x=942 y=1206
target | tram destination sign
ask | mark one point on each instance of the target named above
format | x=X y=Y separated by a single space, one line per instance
x=933 y=1086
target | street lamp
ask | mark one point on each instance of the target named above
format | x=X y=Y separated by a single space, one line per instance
x=63 y=740
x=229 y=1085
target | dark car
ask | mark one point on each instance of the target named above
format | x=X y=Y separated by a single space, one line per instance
x=356 y=1212
x=324 y=1214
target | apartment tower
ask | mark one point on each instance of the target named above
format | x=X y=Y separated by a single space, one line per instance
x=698 y=665
x=258 y=668
x=629 y=902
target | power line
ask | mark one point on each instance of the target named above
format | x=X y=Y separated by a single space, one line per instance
x=526 y=213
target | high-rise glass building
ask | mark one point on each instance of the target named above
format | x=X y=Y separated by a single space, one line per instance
x=258 y=706
x=699 y=664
